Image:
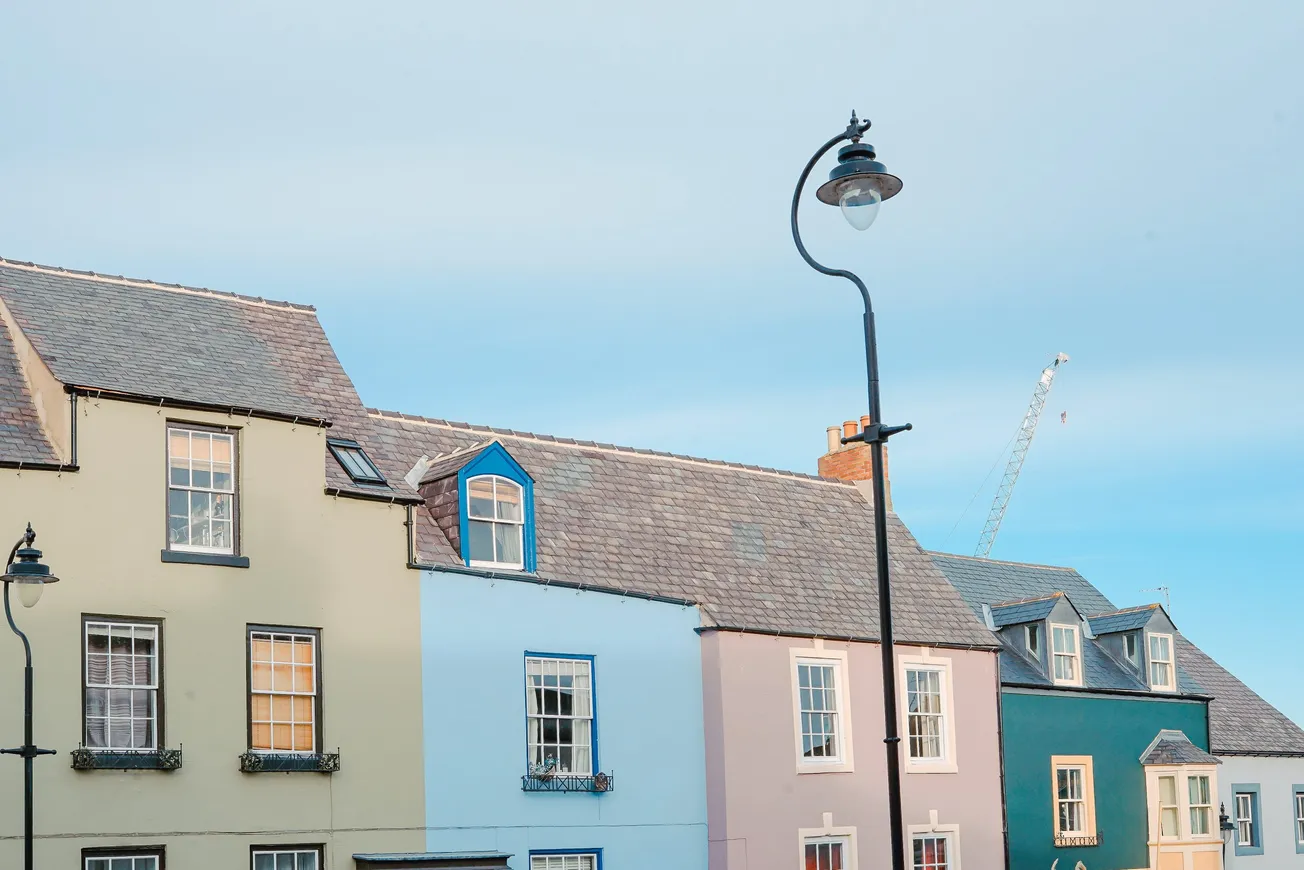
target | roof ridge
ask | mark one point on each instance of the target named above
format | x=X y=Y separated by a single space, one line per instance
x=257 y=301
x=1132 y=609
x=1000 y=561
x=1056 y=594
x=608 y=448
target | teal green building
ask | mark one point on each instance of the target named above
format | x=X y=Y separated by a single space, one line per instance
x=1105 y=736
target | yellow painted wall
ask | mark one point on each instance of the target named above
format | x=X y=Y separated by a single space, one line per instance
x=315 y=561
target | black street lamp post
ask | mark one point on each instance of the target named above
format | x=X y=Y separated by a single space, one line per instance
x=858 y=184
x=24 y=570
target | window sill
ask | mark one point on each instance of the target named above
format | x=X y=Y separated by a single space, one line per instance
x=185 y=558
x=121 y=759
x=598 y=783
x=804 y=768
x=289 y=762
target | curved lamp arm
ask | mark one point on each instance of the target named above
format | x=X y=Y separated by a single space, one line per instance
x=854 y=131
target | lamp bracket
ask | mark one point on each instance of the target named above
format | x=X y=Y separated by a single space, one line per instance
x=877 y=432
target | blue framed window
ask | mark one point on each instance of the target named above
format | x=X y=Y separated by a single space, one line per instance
x=561 y=715
x=1247 y=818
x=1297 y=797
x=566 y=859
x=497 y=512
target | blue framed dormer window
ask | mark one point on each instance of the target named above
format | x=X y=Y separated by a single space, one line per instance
x=497 y=512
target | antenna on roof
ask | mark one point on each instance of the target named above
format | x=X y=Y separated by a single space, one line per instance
x=1168 y=603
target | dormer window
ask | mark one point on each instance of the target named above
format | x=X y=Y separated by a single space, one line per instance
x=1163 y=676
x=1032 y=635
x=355 y=462
x=496 y=522
x=1068 y=660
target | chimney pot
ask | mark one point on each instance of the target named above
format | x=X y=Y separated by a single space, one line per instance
x=849 y=429
x=865 y=422
x=835 y=443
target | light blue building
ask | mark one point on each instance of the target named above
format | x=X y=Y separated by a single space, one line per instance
x=563 y=715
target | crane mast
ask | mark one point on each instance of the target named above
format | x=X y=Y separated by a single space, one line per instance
x=1021 y=444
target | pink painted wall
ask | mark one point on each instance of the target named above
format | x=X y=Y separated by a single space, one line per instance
x=756 y=800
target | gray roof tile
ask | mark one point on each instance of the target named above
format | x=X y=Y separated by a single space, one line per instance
x=21 y=437
x=1129 y=619
x=761 y=550
x=1240 y=722
x=1174 y=747
x=186 y=344
x=1024 y=611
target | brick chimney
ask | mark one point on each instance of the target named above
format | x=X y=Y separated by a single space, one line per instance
x=852 y=461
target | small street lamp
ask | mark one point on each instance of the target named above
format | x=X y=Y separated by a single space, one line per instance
x=858 y=185
x=24 y=570
x=1226 y=828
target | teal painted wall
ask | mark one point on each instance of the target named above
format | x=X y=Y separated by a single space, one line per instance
x=1114 y=732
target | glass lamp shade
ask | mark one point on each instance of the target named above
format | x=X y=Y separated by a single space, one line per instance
x=29 y=590
x=859 y=203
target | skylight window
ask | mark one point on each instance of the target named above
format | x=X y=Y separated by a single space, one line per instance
x=355 y=462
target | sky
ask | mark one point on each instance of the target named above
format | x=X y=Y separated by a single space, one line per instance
x=572 y=218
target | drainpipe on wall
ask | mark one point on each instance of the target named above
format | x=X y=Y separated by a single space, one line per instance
x=1000 y=748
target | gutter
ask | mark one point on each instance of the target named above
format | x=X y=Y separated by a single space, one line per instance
x=1253 y=753
x=1133 y=693
x=391 y=498
x=850 y=638
x=38 y=466
x=170 y=402
x=527 y=577
x=1000 y=746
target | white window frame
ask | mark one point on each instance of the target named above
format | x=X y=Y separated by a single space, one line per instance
x=315 y=851
x=1181 y=775
x=1085 y=764
x=1176 y=806
x=543 y=862
x=495 y=522
x=1171 y=684
x=934 y=829
x=1210 y=819
x=1075 y=656
x=191 y=430
x=817 y=655
x=108 y=859
x=576 y=715
x=1030 y=631
x=1298 y=794
x=829 y=833
x=155 y=719
x=926 y=661
x=1247 y=819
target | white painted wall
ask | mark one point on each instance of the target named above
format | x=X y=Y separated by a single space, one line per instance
x=1277 y=778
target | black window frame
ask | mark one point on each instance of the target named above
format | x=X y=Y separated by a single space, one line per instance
x=338 y=445
x=317 y=708
x=234 y=558
x=159 y=852
x=319 y=848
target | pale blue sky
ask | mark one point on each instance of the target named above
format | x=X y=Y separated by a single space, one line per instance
x=572 y=217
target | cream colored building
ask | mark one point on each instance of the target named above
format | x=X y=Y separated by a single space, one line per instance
x=193 y=464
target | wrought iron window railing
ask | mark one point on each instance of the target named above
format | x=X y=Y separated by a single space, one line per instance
x=549 y=781
x=290 y=762
x=126 y=759
x=1062 y=842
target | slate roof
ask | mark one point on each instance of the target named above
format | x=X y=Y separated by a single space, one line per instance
x=991 y=582
x=757 y=549
x=21 y=437
x=185 y=344
x=1018 y=612
x=1128 y=619
x=1240 y=721
x=1174 y=747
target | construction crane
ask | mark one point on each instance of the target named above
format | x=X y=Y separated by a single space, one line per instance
x=1022 y=442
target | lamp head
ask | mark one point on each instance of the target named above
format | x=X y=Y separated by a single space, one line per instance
x=858 y=184
x=27 y=572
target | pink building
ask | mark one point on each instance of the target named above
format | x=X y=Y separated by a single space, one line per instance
x=796 y=767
